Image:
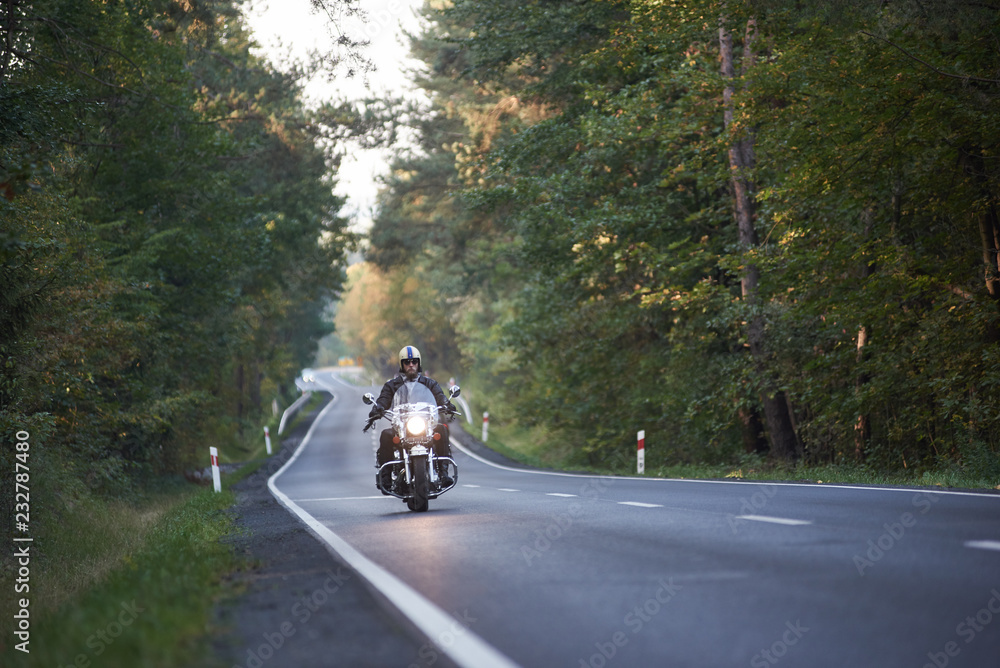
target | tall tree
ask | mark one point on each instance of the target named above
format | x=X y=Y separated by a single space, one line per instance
x=785 y=233
x=780 y=427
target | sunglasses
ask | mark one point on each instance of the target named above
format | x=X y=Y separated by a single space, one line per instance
x=411 y=361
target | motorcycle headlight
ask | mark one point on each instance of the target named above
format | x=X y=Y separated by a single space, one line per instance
x=416 y=426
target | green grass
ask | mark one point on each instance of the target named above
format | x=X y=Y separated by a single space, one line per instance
x=534 y=447
x=823 y=474
x=131 y=581
x=252 y=446
x=131 y=586
x=522 y=440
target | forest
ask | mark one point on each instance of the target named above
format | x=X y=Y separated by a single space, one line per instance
x=749 y=228
x=753 y=229
x=169 y=240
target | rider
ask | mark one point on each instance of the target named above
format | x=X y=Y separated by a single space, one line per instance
x=410 y=370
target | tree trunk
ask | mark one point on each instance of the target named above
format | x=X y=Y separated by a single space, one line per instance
x=254 y=389
x=10 y=28
x=752 y=431
x=862 y=428
x=989 y=233
x=781 y=431
x=239 y=382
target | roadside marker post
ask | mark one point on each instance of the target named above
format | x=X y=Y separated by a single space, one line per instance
x=216 y=480
x=641 y=452
x=486 y=425
x=267 y=439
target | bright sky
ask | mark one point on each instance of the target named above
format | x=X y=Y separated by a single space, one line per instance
x=284 y=27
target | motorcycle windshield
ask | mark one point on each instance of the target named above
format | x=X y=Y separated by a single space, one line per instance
x=413 y=393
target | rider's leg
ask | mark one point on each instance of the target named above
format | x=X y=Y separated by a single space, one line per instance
x=386 y=453
x=442 y=448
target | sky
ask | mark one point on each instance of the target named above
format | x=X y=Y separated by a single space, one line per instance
x=285 y=27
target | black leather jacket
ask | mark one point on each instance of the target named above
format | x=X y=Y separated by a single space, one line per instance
x=384 y=401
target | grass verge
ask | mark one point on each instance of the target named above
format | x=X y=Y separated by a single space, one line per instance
x=144 y=589
x=252 y=445
x=534 y=447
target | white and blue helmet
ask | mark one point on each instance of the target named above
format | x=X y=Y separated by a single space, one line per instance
x=409 y=353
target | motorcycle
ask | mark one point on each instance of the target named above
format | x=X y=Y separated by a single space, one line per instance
x=415 y=477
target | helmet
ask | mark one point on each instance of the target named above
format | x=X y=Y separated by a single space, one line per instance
x=409 y=353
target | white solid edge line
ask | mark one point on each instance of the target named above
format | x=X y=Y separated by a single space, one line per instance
x=464 y=449
x=468 y=650
x=773 y=520
x=984 y=544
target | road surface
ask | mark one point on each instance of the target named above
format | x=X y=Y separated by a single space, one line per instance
x=528 y=568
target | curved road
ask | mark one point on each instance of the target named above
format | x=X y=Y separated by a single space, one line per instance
x=530 y=568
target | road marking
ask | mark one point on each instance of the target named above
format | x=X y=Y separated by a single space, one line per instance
x=984 y=544
x=773 y=520
x=639 y=504
x=470 y=485
x=346 y=498
x=558 y=494
x=688 y=481
x=507 y=489
x=467 y=649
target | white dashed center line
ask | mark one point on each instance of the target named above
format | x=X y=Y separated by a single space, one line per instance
x=558 y=494
x=506 y=489
x=773 y=520
x=984 y=544
x=639 y=504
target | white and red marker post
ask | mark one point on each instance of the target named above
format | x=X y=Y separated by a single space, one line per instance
x=486 y=425
x=267 y=439
x=216 y=480
x=641 y=451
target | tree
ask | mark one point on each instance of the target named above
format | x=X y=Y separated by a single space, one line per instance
x=794 y=241
x=168 y=225
x=780 y=427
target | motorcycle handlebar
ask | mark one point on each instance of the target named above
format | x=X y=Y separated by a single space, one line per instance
x=389 y=414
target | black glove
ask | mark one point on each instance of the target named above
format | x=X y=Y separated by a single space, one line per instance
x=373 y=416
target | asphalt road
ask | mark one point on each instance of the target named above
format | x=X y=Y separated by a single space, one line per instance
x=541 y=569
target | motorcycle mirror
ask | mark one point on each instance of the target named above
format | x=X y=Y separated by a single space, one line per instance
x=369 y=398
x=455 y=391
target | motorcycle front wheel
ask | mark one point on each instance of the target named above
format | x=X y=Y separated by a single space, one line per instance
x=420 y=488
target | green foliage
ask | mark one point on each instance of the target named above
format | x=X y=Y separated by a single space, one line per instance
x=384 y=311
x=572 y=204
x=169 y=239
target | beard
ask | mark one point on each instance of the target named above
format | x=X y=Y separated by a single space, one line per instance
x=412 y=372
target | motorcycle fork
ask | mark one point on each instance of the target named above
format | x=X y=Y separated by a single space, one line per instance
x=432 y=473
x=406 y=467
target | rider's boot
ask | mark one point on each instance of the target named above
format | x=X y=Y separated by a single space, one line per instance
x=443 y=476
x=385 y=478
x=400 y=482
